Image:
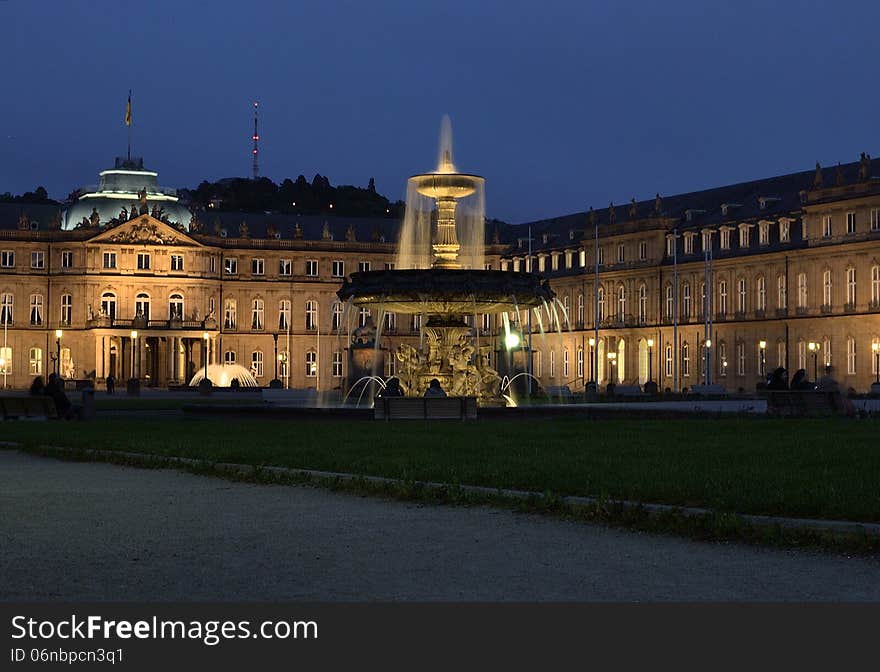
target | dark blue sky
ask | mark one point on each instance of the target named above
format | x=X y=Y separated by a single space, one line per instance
x=559 y=105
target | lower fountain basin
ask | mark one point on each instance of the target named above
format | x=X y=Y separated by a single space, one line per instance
x=436 y=291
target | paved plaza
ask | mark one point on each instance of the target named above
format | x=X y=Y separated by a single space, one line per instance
x=91 y=531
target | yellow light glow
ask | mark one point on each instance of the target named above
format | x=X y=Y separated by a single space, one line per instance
x=650 y=342
x=206 y=335
x=709 y=343
x=875 y=346
x=511 y=341
x=59 y=333
x=762 y=344
x=134 y=334
x=592 y=342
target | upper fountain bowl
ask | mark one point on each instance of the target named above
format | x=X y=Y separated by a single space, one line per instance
x=435 y=291
x=446 y=185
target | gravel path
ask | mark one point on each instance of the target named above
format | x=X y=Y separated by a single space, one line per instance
x=91 y=531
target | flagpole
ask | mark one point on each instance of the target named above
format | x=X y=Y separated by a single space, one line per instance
x=128 y=123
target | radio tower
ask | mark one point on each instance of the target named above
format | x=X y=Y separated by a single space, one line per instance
x=256 y=142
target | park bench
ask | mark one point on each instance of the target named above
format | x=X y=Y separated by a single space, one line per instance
x=628 y=391
x=713 y=390
x=425 y=408
x=805 y=403
x=28 y=408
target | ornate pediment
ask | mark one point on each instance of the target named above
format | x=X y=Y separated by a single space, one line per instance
x=145 y=230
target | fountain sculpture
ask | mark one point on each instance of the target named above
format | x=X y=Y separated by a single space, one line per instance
x=440 y=275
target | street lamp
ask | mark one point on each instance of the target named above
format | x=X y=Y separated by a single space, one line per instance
x=875 y=346
x=612 y=358
x=592 y=343
x=206 y=336
x=134 y=335
x=650 y=359
x=709 y=358
x=814 y=348
x=762 y=345
x=57 y=367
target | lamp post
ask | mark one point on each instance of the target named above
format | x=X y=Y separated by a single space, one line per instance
x=206 y=336
x=592 y=343
x=709 y=358
x=134 y=335
x=57 y=368
x=875 y=346
x=275 y=339
x=650 y=359
x=814 y=348
x=612 y=358
x=762 y=345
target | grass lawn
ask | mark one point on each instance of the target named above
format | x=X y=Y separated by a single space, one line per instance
x=167 y=402
x=808 y=468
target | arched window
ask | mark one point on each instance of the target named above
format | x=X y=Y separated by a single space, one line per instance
x=643 y=303
x=565 y=363
x=35 y=361
x=580 y=362
x=722 y=297
x=621 y=303
x=230 y=317
x=781 y=293
x=621 y=361
x=142 y=306
x=851 y=287
x=667 y=360
x=258 y=314
x=580 y=309
x=7 y=303
x=65 y=368
x=802 y=290
x=311 y=315
x=67 y=309
x=826 y=289
x=175 y=307
x=685 y=359
x=229 y=357
x=685 y=301
x=337 y=370
x=741 y=295
x=760 y=293
x=670 y=302
x=539 y=368
x=257 y=364
x=601 y=304
x=36 y=310
x=553 y=364
x=284 y=314
x=875 y=286
x=108 y=305
x=850 y=356
x=311 y=364
x=722 y=359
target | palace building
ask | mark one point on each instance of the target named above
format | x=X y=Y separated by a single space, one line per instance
x=719 y=286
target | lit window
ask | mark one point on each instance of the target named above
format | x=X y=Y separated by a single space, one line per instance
x=311 y=315
x=851 y=287
x=258 y=310
x=851 y=356
x=229 y=314
x=175 y=307
x=311 y=364
x=36 y=310
x=284 y=314
x=6 y=306
x=35 y=361
x=257 y=364
x=784 y=231
x=142 y=306
x=336 y=364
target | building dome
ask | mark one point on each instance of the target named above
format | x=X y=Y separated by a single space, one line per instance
x=123 y=186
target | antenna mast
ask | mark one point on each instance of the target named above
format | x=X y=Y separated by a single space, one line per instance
x=256 y=142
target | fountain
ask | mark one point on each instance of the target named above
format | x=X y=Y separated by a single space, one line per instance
x=222 y=375
x=440 y=275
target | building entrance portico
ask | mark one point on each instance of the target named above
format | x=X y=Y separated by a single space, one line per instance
x=156 y=358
